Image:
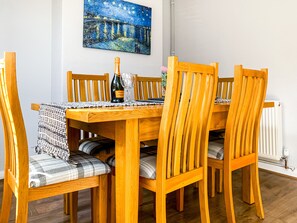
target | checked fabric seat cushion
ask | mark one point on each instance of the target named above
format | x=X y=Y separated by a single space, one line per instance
x=147 y=162
x=216 y=149
x=46 y=170
x=93 y=146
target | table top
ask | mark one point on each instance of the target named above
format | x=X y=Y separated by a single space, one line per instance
x=103 y=114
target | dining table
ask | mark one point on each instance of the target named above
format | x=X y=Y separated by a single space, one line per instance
x=128 y=126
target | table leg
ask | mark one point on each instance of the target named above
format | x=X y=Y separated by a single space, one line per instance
x=127 y=170
x=73 y=138
x=73 y=142
x=247 y=190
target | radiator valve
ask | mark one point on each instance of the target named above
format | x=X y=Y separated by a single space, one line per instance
x=285 y=159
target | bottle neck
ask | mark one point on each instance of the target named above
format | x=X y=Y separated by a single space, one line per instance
x=117 y=66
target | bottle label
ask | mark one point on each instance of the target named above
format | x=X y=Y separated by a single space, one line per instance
x=119 y=94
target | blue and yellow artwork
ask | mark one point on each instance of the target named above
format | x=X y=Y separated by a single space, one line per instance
x=117 y=25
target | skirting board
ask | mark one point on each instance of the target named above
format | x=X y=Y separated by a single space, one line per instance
x=1 y=174
x=278 y=169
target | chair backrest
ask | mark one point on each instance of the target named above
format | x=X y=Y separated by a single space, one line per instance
x=225 y=87
x=189 y=100
x=87 y=87
x=242 y=128
x=147 y=87
x=16 y=145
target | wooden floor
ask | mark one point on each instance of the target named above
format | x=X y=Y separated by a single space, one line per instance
x=279 y=200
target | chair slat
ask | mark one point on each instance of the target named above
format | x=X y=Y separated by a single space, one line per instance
x=89 y=91
x=82 y=90
x=19 y=168
x=147 y=87
x=76 y=91
x=225 y=87
x=183 y=133
x=86 y=88
x=96 y=91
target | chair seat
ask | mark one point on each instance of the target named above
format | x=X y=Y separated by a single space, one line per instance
x=95 y=145
x=147 y=163
x=216 y=149
x=148 y=166
x=46 y=170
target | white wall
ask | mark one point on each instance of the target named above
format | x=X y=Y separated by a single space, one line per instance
x=87 y=60
x=166 y=31
x=47 y=36
x=253 y=33
x=26 y=29
x=56 y=56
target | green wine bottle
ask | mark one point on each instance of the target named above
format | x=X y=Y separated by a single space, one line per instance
x=116 y=88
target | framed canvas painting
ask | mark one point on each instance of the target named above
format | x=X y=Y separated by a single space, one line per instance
x=117 y=25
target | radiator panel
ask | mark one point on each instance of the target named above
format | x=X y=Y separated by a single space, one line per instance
x=270 y=137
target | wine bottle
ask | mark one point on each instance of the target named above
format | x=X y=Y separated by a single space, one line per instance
x=117 y=90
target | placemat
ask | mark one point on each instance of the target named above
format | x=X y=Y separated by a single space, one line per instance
x=52 y=127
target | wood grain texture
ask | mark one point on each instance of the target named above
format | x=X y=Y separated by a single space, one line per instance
x=82 y=88
x=225 y=87
x=278 y=193
x=16 y=168
x=241 y=137
x=87 y=87
x=183 y=135
x=224 y=91
x=147 y=87
x=89 y=118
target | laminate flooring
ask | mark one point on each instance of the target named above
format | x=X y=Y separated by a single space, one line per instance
x=279 y=194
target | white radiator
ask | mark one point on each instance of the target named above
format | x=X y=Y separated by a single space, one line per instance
x=270 y=138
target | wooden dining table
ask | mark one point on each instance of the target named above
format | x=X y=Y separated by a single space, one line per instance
x=128 y=125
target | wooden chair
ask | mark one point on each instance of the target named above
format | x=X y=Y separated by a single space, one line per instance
x=240 y=146
x=224 y=91
x=147 y=87
x=225 y=87
x=39 y=176
x=183 y=139
x=89 y=87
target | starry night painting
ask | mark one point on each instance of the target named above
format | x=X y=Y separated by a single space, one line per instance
x=117 y=25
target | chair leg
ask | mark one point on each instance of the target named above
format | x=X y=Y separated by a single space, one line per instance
x=247 y=187
x=140 y=196
x=95 y=204
x=180 y=195
x=154 y=202
x=73 y=203
x=6 y=202
x=219 y=183
x=229 y=197
x=21 y=208
x=203 y=201
x=92 y=200
x=99 y=202
x=160 y=207
x=66 y=204
x=112 y=200
x=211 y=181
x=257 y=190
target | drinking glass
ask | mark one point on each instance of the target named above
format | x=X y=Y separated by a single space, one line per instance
x=127 y=81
